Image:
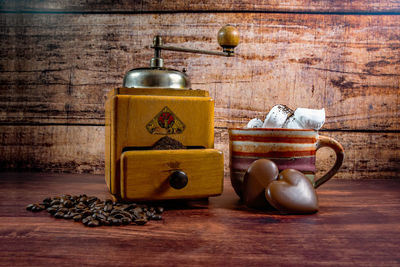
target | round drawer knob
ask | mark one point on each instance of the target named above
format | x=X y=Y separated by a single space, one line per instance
x=178 y=179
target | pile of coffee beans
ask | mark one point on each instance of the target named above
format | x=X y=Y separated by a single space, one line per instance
x=167 y=143
x=92 y=211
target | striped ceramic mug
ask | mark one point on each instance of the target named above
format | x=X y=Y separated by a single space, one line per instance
x=288 y=148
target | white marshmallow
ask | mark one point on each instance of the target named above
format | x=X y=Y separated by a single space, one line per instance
x=280 y=116
x=292 y=123
x=277 y=116
x=310 y=118
x=254 y=123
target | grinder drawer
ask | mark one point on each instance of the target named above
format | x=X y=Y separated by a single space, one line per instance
x=171 y=174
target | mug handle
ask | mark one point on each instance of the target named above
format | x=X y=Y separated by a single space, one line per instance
x=325 y=141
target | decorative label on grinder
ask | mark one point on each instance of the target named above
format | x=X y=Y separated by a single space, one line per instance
x=165 y=122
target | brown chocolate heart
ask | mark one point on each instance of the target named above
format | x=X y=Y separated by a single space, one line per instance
x=259 y=174
x=292 y=193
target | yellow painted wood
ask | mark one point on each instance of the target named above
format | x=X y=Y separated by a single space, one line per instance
x=111 y=158
x=128 y=116
x=134 y=113
x=145 y=174
x=107 y=146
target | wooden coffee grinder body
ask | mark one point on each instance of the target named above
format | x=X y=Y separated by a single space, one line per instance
x=136 y=119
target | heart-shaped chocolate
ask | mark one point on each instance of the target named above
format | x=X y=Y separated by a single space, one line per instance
x=259 y=174
x=292 y=193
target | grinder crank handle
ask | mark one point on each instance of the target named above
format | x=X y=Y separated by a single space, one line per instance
x=228 y=38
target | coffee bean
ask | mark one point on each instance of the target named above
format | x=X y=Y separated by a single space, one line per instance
x=156 y=217
x=91 y=199
x=116 y=221
x=116 y=208
x=47 y=200
x=124 y=213
x=99 y=204
x=159 y=210
x=77 y=218
x=55 y=206
x=118 y=216
x=107 y=223
x=93 y=223
x=35 y=207
x=67 y=204
x=59 y=215
x=92 y=211
x=52 y=210
x=126 y=220
x=124 y=207
x=86 y=213
x=108 y=207
x=115 y=211
x=55 y=202
x=99 y=216
x=45 y=204
x=80 y=206
x=102 y=217
x=102 y=214
x=87 y=219
x=73 y=213
x=149 y=214
x=136 y=211
x=130 y=207
x=141 y=221
x=67 y=216
x=63 y=210
x=143 y=215
x=130 y=216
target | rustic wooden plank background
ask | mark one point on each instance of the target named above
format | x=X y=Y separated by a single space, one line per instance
x=352 y=6
x=58 y=59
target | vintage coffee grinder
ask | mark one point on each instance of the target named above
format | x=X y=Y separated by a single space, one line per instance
x=154 y=103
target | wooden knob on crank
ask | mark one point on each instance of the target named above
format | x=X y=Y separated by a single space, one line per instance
x=178 y=179
x=228 y=38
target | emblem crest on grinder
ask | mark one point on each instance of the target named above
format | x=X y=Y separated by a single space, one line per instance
x=165 y=122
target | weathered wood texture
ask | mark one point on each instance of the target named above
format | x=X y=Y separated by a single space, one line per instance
x=55 y=70
x=357 y=225
x=204 y=5
x=52 y=148
x=81 y=149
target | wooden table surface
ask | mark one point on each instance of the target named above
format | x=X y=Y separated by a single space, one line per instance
x=358 y=224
